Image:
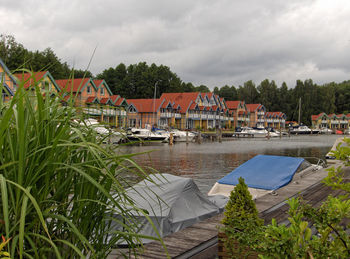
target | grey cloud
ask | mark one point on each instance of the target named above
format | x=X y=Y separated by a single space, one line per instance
x=204 y=42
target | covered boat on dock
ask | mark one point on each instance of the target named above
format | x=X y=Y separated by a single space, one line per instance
x=263 y=174
x=172 y=203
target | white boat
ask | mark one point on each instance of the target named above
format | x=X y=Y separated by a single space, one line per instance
x=181 y=136
x=258 y=132
x=114 y=136
x=264 y=174
x=300 y=129
x=325 y=131
x=135 y=134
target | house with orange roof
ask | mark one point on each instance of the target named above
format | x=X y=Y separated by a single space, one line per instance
x=276 y=120
x=257 y=114
x=331 y=121
x=43 y=79
x=240 y=113
x=121 y=106
x=320 y=121
x=8 y=82
x=143 y=112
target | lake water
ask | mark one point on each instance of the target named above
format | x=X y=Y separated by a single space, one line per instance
x=209 y=161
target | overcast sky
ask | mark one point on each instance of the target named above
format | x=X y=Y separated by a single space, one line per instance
x=203 y=41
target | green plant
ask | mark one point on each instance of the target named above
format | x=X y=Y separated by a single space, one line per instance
x=241 y=221
x=330 y=221
x=60 y=187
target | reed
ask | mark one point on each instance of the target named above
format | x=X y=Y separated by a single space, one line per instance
x=60 y=187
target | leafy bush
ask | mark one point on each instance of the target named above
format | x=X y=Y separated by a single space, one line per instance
x=59 y=186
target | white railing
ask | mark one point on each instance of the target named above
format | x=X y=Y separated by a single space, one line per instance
x=324 y=121
x=178 y=115
x=261 y=113
x=109 y=112
x=276 y=120
x=247 y=119
x=203 y=116
x=166 y=114
x=122 y=113
x=334 y=121
x=210 y=116
x=217 y=117
x=240 y=119
x=193 y=116
x=343 y=122
x=231 y=119
x=92 y=111
x=261 y=120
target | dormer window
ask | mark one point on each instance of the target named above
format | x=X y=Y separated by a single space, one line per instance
x=102 y=91
x=88 y=89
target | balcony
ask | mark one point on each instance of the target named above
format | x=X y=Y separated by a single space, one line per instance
x=324 y=121
x=204 y=116
x=261 y=113
x=177 y=115
x=343 y=122
x=166 y=115
x=334 y=122
x=210 y=116
x=109 y=112
x=276 y=120
x=262 y=120
x=240 y=119
x=217 y=117
x=92 y=111
x=194 y=116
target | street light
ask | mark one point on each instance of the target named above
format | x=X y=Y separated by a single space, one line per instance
x=154 y=100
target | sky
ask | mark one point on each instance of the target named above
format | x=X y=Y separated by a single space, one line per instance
x=214 y=43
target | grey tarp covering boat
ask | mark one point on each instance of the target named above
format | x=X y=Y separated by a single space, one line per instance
x=173 y=203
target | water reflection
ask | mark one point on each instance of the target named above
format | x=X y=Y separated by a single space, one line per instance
x=209 y=161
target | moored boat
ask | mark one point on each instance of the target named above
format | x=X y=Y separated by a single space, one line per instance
x=135 y=134
x=263 y=174
x=300 y=129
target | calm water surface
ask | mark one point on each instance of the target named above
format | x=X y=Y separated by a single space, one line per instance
x=209 y=161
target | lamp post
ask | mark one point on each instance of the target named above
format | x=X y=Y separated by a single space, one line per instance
x=154 y=101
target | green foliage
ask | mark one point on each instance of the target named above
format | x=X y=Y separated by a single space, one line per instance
x=15 y=56
x=241 y=220
x=59 y=186
x=330 y=220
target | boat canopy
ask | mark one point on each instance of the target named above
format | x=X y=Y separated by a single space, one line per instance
x=172 y=203
x=264 y=172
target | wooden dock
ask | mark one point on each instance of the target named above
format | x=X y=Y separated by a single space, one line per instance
x=200 y=240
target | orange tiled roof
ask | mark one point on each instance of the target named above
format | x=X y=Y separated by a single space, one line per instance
x=104 y=100
x=73 y=85
x=232 y=105
x=27 y=78
x=97 y=82
x=90 y=99
x=146 y=105
x=182 y=99
x=253 y=106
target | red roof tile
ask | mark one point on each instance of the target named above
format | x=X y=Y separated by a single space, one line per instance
x=232 y=105
x=146 y=105
x=182 y=99
x=29 y=79
x=119 y=101
x=74 y=85
x=90 y=99
x=97 y=82
x=253 y=106
x=104 y=100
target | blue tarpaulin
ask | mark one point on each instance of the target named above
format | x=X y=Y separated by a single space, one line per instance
x=264 y=172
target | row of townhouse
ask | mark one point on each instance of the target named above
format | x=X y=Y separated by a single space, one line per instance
x=199 y=110
x=91 y=97
x=180 y=110
x=331 y=121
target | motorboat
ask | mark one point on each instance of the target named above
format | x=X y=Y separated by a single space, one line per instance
x=171 y=203
x=258 y=132
x=264 y=174
x=325 y=131
x=300 y=129
x=182 y=136
x=107 y=134
x=135 y=134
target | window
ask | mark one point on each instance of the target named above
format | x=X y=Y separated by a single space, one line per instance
x=89 y=89
x=132 y=122
x=102 y=91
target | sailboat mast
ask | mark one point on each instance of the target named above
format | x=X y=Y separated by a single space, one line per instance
x=299 y=111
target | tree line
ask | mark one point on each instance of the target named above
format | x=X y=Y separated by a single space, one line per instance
x=143 y=81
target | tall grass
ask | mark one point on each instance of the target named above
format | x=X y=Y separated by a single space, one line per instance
x=57 y=182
